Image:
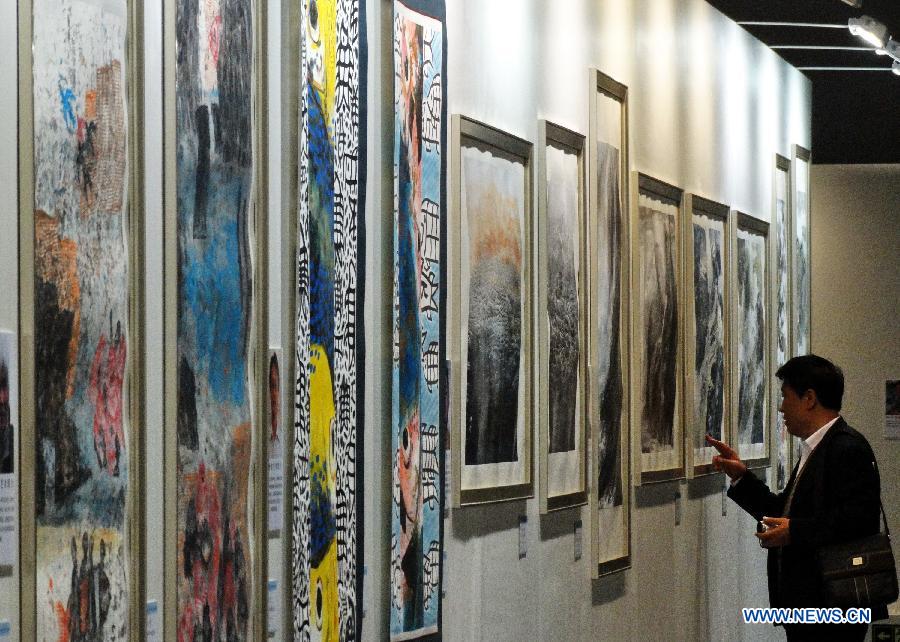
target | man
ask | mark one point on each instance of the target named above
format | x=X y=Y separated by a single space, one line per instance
x=832 y=495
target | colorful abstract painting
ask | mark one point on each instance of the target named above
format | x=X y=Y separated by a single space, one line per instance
x=81 y=319
x=709 y=332
x=657 y=345
x=328 y=388
x=781 y=228
x=750 y=335
x=214 y=124
x=416 y=418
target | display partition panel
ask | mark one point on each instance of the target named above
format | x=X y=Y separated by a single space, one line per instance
x=657 y=346
x=491 y=249
x=561 y=313
x=707 y=332
x=216 y=354
x=418 y=381
x=751 y=346
x=782 y=450
x=330 y=263
x=800 y=259
x=607 y=335
x=81 y=220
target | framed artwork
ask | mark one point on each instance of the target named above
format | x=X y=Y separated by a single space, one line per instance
x=331 y=160
x=782 y=442
x=81 y=221
x=491 y=380
x=706 y=321
x=657 y=346
x=607 y=335
x=561 y=312
x=420 y=276
x=9 y=469
x=751 y=388
x=800 y=259
x=216 y=352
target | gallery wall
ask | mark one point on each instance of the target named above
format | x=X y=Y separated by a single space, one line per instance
x=856 y=299
x=710 y=108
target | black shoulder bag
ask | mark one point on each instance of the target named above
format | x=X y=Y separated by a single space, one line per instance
x=860 y=573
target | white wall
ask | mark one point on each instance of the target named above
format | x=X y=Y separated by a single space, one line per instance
x=856 y=299
x=710 y=107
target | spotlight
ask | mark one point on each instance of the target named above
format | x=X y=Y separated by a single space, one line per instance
x=892 y=49
x=896 y=67
x=856 y=4
x=869 y=30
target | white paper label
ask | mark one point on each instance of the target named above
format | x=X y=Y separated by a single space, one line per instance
x=152 y=632
x=274 y=613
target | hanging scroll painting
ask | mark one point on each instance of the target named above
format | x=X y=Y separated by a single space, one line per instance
x=214 y=172
x=562 y=229
x=657 y=348
x=331 y=193
x=751 y=341
x=706 y=356
x=81 y=224
x=607 y=335
x=782 y=441
x=418 y=323
x=801 y=252
x=491 y=399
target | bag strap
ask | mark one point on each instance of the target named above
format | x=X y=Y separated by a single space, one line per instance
x=887 y=531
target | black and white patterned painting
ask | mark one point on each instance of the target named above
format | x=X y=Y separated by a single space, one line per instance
x=331 y=194
x=750 y=334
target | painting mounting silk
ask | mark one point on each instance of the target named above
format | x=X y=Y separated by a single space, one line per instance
x=419 y=221
x=214 y=173
x=331 y=194
x=81 y=319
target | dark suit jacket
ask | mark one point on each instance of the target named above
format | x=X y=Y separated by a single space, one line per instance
x=837 y=499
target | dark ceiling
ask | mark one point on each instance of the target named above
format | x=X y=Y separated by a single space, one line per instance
x=856 y=114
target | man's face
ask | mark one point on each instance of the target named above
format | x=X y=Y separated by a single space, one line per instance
x=794 y=409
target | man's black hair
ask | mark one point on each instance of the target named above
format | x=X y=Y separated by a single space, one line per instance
x=812 y=372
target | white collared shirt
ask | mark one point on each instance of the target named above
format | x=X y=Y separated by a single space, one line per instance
x=807 y=445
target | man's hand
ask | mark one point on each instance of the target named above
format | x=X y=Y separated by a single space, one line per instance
x=778 y=533
x=727 y=460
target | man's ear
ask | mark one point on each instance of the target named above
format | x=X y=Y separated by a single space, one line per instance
x=810 y=399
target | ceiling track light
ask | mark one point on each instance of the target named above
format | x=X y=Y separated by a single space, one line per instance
x=869 y=29
x=892 y=49
x=856 y=4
